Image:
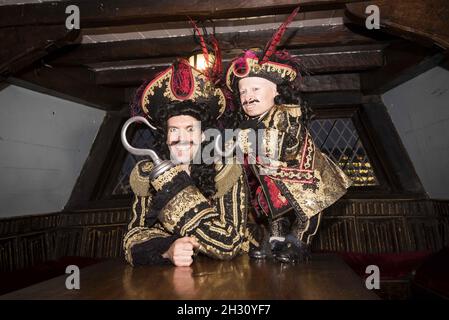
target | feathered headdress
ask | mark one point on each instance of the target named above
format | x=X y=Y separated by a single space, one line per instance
x=276 y=66
x=180 y=82
x=214 y=64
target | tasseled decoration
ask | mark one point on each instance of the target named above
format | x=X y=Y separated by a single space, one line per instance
x=182 y=80
x=271 y=46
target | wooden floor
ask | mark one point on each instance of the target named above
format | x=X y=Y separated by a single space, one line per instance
x=325 y=277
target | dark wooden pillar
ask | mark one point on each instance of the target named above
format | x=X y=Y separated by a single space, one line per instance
x=85 y=188
x=392 y=153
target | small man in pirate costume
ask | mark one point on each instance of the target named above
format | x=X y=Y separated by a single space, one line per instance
x=296 y=181
x=190 y=206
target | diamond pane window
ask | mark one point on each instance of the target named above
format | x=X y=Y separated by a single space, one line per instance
x=143 y=138
x=338 y=138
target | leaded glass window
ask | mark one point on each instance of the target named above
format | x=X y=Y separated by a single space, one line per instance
x=338 y=138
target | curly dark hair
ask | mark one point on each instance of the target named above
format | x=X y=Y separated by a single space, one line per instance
x=291 y=94
x=203 y=175
x=288 y=94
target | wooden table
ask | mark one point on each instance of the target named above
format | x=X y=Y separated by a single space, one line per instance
x=325 y=277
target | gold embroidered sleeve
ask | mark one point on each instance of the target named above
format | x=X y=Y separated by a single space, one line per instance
x=136 y=242
x=218 y=226
x=139 y=180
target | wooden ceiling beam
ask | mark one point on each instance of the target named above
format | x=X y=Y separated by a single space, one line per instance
x=331 y=82
x=316 y=61
x=97 y=13
x=425 y=22
x=21 y=46
x=230 y=43
x=75 y=84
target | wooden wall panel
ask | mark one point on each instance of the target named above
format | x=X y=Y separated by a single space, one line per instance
x=337 y=234
x=364 y=226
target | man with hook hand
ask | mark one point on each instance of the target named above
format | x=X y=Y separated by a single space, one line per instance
x=190 y=207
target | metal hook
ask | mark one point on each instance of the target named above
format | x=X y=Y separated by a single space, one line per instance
x=136 y=151
x=160 y=166
x=218 y=148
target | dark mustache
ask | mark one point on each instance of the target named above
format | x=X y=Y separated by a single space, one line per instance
x=250 y=101
x=181 y=143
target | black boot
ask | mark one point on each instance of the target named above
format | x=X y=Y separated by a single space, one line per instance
x=261 y=252
x=268 y=248
x=293 y=250
x=276 y=247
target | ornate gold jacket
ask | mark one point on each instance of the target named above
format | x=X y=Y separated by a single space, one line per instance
x=219 y=225
x=294 y=172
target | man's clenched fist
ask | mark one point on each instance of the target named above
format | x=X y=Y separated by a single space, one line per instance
x=181 y=251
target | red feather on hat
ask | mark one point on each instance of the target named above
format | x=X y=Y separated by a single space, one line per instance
x=203 y=46
x=276 y=38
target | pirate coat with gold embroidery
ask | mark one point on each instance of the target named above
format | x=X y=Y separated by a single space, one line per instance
x=219 y=225
x=293 y=169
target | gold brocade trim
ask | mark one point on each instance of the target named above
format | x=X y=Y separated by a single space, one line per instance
x=202 y=88
x=235 y=212
x=216 y=253
x=166 y=177
x=179 y=205
x=226 y=178
x=144 y=210
x=218 y=167
x=134 y=218
x=152 y=86
x=217 y=243
x=292 y=151
x=139 y=235
x=222 y=210
x=221 y=101
x=249 y=236
x=253 y=66
x=243 y=206
x=308 y=154
x=245 y=246
x=270 y=143
x=285 y=71
x=221 y=230
x=293 y=110
x=222 y=171
x=331 y=185
x=194 y=221
x=144 y=202
x=140 y=185
x=314 y=184
x=310 y=236
x=304 y=177
x=243 y=140
x=230 y=226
